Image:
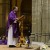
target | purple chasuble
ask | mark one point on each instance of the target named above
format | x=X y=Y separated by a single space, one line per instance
x=11 y=18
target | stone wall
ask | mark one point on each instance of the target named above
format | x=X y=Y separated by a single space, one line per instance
x=41 y=17
x=0 y=13
x=4 y=10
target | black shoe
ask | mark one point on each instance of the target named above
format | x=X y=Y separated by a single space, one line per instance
x=11 y=46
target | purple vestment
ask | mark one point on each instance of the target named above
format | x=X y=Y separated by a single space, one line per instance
x=11 y=18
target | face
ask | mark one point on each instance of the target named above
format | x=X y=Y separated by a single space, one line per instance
x=16 y=9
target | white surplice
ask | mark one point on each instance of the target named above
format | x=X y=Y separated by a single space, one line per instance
x=11 y=40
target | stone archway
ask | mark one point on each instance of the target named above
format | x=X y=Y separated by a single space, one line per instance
x=26 y=9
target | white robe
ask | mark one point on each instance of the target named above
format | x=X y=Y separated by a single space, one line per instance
x=11 y=40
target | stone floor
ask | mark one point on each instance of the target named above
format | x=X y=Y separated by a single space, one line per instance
x=35 y=47
x=48 y=49
x=5 y=47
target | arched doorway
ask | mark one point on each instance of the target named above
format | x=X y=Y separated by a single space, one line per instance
x=26 y=9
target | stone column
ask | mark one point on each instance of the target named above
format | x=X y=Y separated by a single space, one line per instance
x=41 y=18
x=36 y=16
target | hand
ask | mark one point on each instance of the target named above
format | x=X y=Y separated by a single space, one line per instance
x=15 y=21
x=16 y=18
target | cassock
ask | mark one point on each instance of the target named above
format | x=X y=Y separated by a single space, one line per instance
x=12 y=29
